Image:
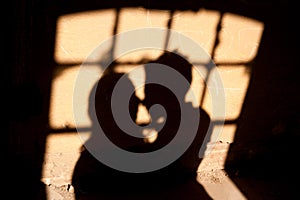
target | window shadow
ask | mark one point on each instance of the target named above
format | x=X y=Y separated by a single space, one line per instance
x=267 y=129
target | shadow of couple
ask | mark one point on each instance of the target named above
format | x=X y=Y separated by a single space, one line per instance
x=94 y=180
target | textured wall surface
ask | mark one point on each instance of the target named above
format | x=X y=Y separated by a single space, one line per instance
x=253 y=46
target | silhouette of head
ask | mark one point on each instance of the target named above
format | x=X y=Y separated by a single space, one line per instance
x=103 y=98
x=155 y=93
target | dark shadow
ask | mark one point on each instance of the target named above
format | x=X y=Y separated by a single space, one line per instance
x=262 y=159
x=92 y=179
x=30 y=36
